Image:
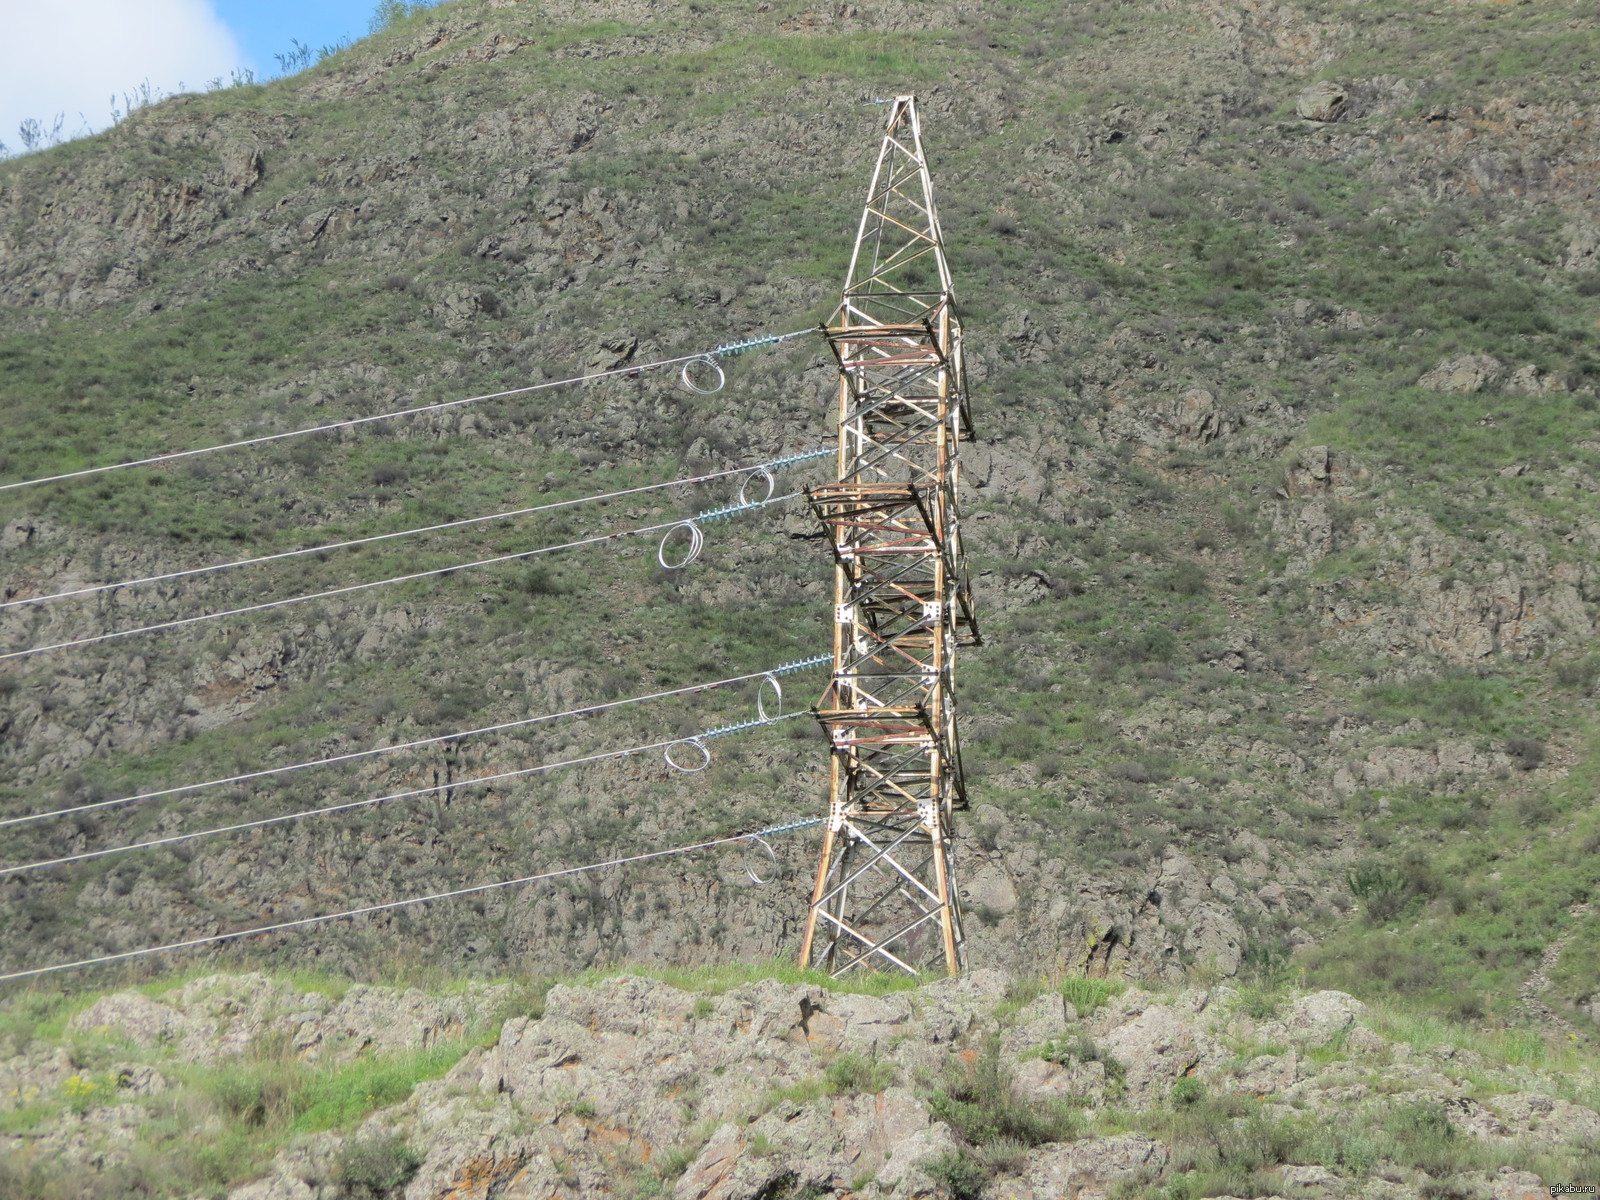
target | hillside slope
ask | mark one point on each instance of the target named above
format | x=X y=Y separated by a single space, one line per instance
x=1283 y=330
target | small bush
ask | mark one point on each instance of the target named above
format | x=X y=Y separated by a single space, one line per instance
x=1188 y=1090
x=259 y=1093
x=1130 y=772
x=853 y=1073
x=976 y=1100
x=391 y=12
x=1066 y=1051
x=1185 y=579
x=961 y=1173
x=1258 y=1005
x=374 y=1168
x=1426 y=1138
x=1527 y=753
x=1580 y=675
x=538 y=581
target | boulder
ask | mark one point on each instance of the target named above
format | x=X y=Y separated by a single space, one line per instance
x=1157 y=1048
x=1464 y=374
x=1547 y=1119
x=1087 y=1170
x=1323 y=101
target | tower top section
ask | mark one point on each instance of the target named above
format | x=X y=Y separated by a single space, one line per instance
x=898 y=273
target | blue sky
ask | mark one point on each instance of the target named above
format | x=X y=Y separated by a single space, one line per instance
x=71 y=61
x=264 y=28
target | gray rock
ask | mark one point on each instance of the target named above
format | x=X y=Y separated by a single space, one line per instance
x=1157 y=1048
x=1087 y=1170
x=1316 y=1019
x=1467 y=373
x=1310 y=1181
x=1323 y=101
x=1547 y=1119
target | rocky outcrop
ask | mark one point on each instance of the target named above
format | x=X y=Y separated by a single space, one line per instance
x=1468 y=373
x=222 y=1016
x=769 y=1089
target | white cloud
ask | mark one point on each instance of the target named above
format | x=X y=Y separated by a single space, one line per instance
x=70 y=56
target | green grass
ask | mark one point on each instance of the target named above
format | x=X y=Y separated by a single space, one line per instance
x=1462 y=940
x=1220 y=1146
x=1086 y=994
x=1457 y=699
x=340 y=1099
x=1465 y=436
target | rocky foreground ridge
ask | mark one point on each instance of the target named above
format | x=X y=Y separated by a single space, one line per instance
x=628 y=1086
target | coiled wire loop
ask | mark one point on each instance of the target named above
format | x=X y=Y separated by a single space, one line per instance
x=697 y=541
x=692 y=768
x=694 y=378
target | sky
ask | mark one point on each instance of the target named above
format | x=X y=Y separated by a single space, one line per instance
x=71 y=57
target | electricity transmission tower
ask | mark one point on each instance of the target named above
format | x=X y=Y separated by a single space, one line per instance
x=884 y=894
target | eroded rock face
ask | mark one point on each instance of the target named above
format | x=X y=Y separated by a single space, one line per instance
x=222 y=1016
x=771 y=1090
x=1088 y=1169
x=1157 y=1048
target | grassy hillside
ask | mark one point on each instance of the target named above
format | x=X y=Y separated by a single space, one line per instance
x=1282 y=503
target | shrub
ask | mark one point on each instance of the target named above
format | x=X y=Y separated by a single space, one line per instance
x=1066 y=1051
x=1426 y=1137
x=1258 y=1005
x=852 y=1073
x=961 y=1173
x=1185 y=579
x=375 y=1167
x=258 y=1093
x=390 y=12
x=538 y=581
x=1188 y=1090
x=1528 y=753
x=976 y=1100
x=1131 y=772
x=1580 y=675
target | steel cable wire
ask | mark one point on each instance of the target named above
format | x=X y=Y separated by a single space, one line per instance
x=682 y=522
x=242 y=443
x=399 y=533
x=524 y=722
x=365 y=910
x=408 y=794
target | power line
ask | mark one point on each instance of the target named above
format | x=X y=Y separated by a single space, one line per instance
x=785 y=669
x=685 y=522
x=411 y=794
x=730 y=348
x=771 y=465
x=770 y=831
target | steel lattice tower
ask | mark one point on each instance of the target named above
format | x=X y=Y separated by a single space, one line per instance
x=884 y=894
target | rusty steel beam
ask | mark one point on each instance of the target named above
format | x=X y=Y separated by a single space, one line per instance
x=884 y=896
